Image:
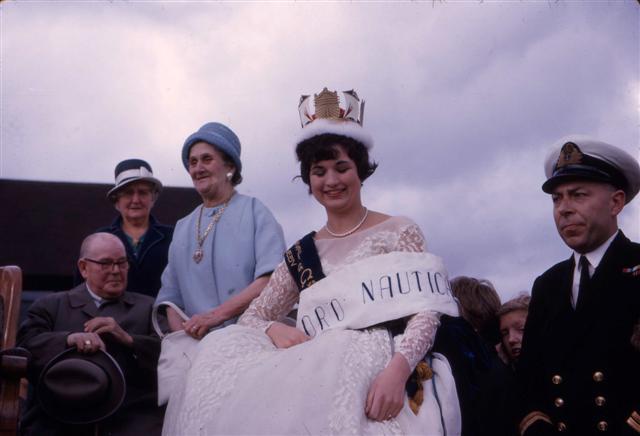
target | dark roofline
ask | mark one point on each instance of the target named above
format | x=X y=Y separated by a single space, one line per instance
x=44 y=222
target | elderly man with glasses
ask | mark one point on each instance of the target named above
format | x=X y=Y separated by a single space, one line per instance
x=97 y=316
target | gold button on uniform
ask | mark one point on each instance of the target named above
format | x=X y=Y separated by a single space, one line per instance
x=598 y=376
x=600 y=401
x=556 y=379
x=602 y=426
x=562 y=426
x=559 y=402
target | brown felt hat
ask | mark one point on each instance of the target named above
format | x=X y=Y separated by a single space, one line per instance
x=77 y=388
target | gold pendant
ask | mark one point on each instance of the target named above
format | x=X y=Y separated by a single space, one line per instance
x=197 y=255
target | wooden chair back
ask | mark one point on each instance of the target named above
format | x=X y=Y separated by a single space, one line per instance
x=13 y=361
x=10 y=294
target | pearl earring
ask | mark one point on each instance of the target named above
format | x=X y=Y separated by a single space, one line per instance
x=229 y=175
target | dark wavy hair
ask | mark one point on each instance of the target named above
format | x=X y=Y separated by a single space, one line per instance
x=323 y=147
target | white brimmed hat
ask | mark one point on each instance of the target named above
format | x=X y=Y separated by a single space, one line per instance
x=579 y=157
x=133 y=170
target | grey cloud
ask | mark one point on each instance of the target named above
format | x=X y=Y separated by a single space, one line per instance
x=463 y=100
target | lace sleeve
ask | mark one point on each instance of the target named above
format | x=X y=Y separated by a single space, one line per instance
x=418 y=336
x=274 y=302
x=411 y=239
x=420 y=332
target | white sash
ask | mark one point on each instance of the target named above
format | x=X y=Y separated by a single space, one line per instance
x=374 y=290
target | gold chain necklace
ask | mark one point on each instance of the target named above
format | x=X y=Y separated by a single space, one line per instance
x=199 y=253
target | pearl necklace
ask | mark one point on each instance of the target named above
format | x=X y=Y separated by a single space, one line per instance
x=348 y=232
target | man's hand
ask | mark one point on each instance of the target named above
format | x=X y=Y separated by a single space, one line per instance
x=106 y=325
x=284 y=336
x=387 y=392
x=86 y=343
x=200 y=324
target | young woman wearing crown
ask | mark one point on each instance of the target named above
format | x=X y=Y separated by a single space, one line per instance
x=369 y=300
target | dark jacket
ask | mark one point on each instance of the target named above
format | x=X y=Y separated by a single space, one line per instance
x=146 y=269
x=44 y=332
x=483 y=382
x=578 y=367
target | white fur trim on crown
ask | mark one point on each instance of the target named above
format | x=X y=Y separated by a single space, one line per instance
x=350 y=129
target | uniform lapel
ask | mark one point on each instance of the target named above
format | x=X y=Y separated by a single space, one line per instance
x=601 y=288
x=562 y=295
x=561 y=315
x=601 y=285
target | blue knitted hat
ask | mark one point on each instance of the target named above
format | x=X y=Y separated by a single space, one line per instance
x=218 y=135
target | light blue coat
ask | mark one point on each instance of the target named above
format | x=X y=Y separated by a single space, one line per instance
x=246 y=243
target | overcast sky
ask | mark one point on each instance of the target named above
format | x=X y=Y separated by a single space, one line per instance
x=463 y=99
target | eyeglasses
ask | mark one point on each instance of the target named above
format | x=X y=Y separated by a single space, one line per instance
x=108 y=264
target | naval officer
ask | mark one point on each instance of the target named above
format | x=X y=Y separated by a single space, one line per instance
x=579 y=373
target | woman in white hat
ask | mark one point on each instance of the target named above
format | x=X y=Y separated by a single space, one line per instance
x=144 y=237
x=369 y=300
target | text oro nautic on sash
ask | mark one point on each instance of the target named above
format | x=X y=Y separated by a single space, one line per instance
x=385 y=288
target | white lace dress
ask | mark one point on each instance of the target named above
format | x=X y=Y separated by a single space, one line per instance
x=241 y=384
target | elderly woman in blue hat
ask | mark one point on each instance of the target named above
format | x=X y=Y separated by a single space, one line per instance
x=146 y=240
x=224 y=251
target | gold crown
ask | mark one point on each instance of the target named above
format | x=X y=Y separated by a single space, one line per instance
x=327 y=106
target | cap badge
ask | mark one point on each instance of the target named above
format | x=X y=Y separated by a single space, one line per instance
x=327 y=106
x=570 y=154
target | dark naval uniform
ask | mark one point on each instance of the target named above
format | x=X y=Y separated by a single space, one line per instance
x=579 y=370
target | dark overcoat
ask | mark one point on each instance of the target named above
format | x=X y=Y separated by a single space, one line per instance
x=578 y=366
x=44 y=332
